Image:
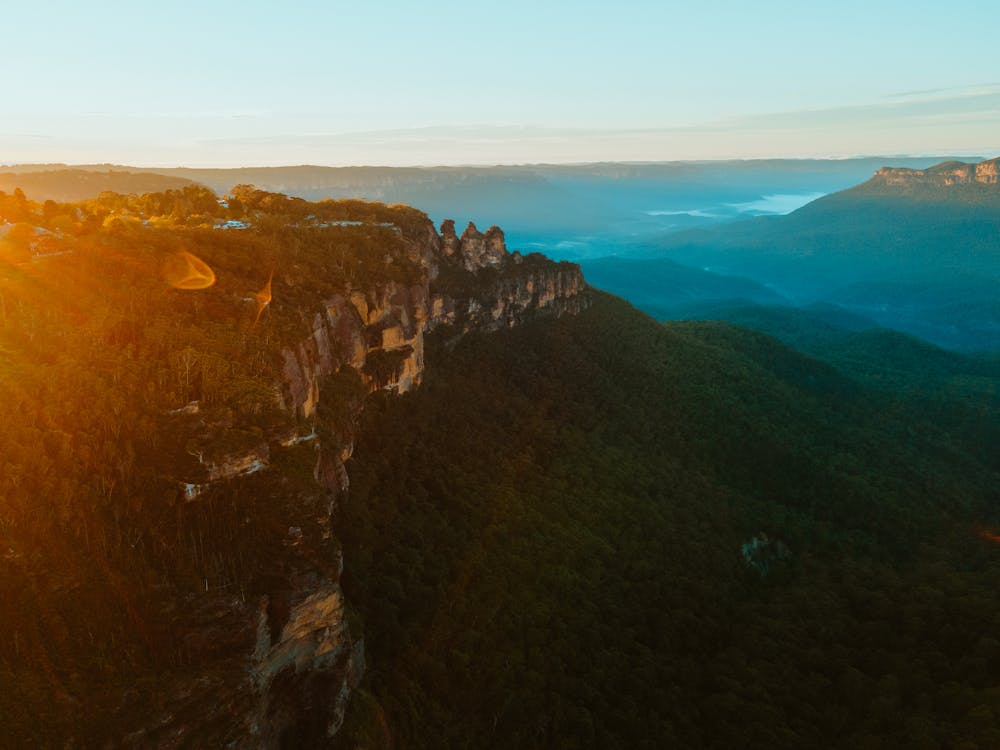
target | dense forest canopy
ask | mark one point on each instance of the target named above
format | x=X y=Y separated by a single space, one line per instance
x=117 y=376
x=602 y=532
x=590 y=531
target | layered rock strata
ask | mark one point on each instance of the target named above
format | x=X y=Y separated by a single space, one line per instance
x=302 y=660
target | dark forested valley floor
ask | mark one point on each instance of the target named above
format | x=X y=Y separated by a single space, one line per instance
x=605 y=532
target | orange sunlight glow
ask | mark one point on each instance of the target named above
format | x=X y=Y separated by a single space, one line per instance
x=989 y=536
x=263 y=298
x=186 y=271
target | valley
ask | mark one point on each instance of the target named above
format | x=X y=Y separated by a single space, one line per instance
x=480 y=376
x=291 y=473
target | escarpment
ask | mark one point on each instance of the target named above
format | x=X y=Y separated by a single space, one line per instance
x=952 y=186
x=300 y=657
x=954 y=183
x=468 y=283
x=945 y=174
x=182 y=378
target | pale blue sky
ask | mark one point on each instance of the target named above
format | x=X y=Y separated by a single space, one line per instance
x=227 y=83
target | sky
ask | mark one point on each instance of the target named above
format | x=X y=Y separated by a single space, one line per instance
x=406 y=83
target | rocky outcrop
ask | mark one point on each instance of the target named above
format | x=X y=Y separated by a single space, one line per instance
x=480 y=250
x=238 y=464
x=474 y=250
x=360 y=329
x=534 y=289
x=380 y=331
x=451 y=246
x=304 y=667
x=988 y=172
x=226 y=466
x=305 y=660
x=946 y=174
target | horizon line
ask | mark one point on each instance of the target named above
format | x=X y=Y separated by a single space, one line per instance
x=493 y=165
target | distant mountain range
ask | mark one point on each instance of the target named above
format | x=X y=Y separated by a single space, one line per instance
x=966 y=183
x=594 y=206
x=75 y=184
x=913 y=249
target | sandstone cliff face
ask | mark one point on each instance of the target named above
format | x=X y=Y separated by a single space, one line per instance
x=303 y=660
x=474 y=250
x=945 y=175
x=380 y=331
x=304 y=670
x=509 y=299
x=357 y=328
x=226 y=466
x=988 y=172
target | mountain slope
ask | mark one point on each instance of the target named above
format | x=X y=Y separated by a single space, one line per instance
x=662 y=288
x=952 y=390
x=552 y=531
x=916 y=250
x=950 y=181
x=179 y=387
x=605 y=532
x=877 y=227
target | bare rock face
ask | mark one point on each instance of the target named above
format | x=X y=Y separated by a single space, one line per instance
x=946 y=174
x=474 y=250
x=450 y=244
x=304 y=667
x=378 y=332
x=290 y=684
x=238 y=464
x=509 y=301
x=427 y=251
x=504 y=288
x=480 y=250
x=988 y=172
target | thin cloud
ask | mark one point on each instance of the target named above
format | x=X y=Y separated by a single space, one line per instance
x=953 y=92
x=948 y=105
x=957 y=106
x=955 y=121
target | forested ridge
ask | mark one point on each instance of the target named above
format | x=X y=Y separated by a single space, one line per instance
x=546 y=545
x=121 y=364
x=596 y=531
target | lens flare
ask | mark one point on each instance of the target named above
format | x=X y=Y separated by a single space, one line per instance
x=186 y=271
x=988 y=535
x=263 y=298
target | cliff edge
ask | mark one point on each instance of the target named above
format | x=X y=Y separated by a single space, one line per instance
x=301 y=658
x=951 y=182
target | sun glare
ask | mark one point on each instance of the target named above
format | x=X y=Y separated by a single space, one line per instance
x=989 y=536
x=263 y=297
x=186 y=271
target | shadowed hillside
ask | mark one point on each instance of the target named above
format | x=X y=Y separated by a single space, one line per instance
x=606 y=532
